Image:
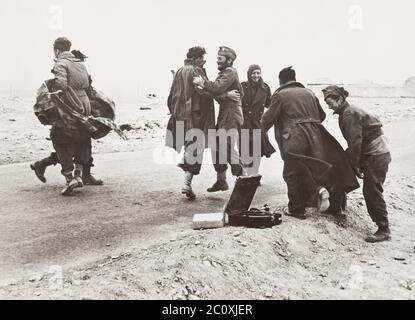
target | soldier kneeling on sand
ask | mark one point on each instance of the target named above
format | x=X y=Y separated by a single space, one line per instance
x=368 y=153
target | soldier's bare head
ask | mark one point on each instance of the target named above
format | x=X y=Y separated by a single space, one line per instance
x=287 y=75
x=197 y=55
x=60 y=45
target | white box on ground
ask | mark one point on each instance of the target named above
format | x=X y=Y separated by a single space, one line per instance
x=208 y=221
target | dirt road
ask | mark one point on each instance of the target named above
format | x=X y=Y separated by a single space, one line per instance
x=40 y=228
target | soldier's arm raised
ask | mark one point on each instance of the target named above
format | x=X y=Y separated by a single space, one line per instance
x=201 y=79
x=233 y=95
x=222 y=84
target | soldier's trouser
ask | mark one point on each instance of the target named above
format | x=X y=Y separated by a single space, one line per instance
x=83 y=153
x=193 y=157
x=337 y=201
x=225 y=154
x=375 y=169
x=300 y=183
x=70 y=148
x=64 y=145
x=296 y=176
x=53 y=159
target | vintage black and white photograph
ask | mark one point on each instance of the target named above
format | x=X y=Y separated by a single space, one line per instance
x=175 y=150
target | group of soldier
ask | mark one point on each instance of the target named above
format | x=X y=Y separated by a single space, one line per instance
x=317 y=170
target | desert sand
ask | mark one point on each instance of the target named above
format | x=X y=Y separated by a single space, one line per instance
x=132 y=238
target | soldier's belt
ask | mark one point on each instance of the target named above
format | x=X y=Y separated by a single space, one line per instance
x=308 y=120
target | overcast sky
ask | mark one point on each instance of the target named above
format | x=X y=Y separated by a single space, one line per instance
x=132 y=45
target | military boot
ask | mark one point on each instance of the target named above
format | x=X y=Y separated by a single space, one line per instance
x=383 y=234
x=40 y=167
x=297 y=215
x=220 y=184
x=88 y=178
x=187 y=188
x=71 y=184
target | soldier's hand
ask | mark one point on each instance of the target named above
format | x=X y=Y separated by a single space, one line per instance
x=198 y=81
x=234 y=95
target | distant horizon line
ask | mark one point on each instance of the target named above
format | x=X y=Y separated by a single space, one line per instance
x=375 y=84
x=317 y=82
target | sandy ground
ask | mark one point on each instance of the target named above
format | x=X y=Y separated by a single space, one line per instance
x=131 y=239
x=24 y=139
